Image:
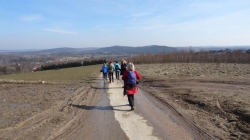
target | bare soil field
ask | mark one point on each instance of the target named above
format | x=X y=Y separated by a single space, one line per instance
x=42 y=111
x=213 y=97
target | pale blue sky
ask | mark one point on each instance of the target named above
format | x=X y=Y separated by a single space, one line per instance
x=42 y=24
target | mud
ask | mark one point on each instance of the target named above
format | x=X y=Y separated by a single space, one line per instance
x=213 y=100
x=50 y=111
x=32 y=111
x=216 y=103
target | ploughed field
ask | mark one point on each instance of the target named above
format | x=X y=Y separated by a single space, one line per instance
x=43 y=111
x=213 y=97
x=38 y=105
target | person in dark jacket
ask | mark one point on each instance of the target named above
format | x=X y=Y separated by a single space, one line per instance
x=123 y=66
x=130 y=76
x=123 y=69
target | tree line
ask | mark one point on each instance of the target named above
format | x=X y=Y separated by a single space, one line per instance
x=12 y=69
x=185 y=56
x=71 y=64
x=27 y=67
x=190 y=56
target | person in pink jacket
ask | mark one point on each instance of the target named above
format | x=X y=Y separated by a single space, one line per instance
x=131 y=77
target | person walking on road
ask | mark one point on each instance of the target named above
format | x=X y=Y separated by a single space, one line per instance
x=130 y=76
x=123 y=66
x=104 y=71
x=123 y=69
x=117 y=70
x=111 y=71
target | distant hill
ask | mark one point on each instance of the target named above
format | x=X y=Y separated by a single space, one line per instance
x=135 y=50
x=113 y=50
x=59 y=50
x=64 y=49
x=25 y=50
x=46 y=51
x=122 y=49
x=209 y=48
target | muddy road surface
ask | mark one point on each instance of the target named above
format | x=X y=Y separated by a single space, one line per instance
x=175 y=102
x=212 y=97
x=99 y=111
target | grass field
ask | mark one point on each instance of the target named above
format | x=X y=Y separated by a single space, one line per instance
x=75 y=75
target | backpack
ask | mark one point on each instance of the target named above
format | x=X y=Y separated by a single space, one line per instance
x=111 y=67
x=131 y=78
x=116 y=67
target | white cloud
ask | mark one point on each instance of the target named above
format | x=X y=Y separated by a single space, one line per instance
x=146 y=27
x=59 y=31
x=32 y=18
x=138 y=15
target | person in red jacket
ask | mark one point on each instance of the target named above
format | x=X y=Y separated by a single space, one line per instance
x=131 y=77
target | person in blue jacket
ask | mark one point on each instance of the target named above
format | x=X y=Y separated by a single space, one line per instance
x=104 y=71
x=117 y=70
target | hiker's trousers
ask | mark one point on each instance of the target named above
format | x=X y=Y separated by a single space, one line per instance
x=131 y=100
x=117 y=73
x=111 y=76
x=104 y=76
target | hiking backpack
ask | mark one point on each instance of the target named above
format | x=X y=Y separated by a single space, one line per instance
x=116 y=67
x=131 y=78
x=111 y=67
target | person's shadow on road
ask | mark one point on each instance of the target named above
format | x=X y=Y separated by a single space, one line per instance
x=105 y=87
x=115 y=108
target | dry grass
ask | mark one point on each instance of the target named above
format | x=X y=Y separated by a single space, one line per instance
x=70 y=75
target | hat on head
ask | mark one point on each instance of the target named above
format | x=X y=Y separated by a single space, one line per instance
x=110 y=61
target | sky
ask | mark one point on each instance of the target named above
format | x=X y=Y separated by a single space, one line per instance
x=44 y=24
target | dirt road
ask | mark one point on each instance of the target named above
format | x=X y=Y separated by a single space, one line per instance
x=194 y=103
x=148 y=120
x=74 y=112
x=214 y=98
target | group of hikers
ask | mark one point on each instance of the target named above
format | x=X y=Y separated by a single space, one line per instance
x=129 y=75
x=109 y=69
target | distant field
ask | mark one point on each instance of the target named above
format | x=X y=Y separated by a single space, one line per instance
x=69 y=75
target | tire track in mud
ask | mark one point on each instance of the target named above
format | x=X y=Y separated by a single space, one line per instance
x=202 y=134
x=147 y=121
x=76 y=116
x=54 y=121
x=82 y=115
x=93 y=117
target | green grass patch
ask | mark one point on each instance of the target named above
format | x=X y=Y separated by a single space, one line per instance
x=83 y=74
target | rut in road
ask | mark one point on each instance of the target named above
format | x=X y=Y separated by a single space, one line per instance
x=58 y=121
x=148 y=121
x=101 y=112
